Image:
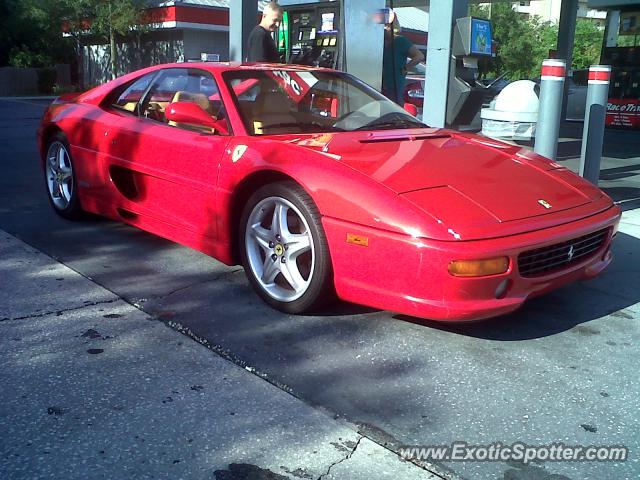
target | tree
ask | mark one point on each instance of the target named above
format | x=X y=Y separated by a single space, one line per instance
x=31 y=31
x=74 y=21
x=588 y=43
x=524 y=43
x=117 y=17
x=515 y=37
x=106 y=19
x=30 y=34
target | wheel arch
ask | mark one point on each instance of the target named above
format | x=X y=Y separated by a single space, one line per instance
x=241 y=195
x=48 y=132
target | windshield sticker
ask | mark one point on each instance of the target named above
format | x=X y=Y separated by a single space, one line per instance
x=295 y=84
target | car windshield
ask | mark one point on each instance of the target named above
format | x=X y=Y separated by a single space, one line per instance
x=292 y=101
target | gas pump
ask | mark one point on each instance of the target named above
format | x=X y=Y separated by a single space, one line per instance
x=310 y=34
x=472 y=41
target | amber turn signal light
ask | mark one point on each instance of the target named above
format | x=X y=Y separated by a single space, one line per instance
x=479 y=268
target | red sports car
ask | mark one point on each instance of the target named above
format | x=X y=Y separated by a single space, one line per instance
x=319 y=186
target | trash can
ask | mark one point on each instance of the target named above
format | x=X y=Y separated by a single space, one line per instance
x=513 y=113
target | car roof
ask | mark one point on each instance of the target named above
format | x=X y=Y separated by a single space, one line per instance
x=224 y=66
x=97 y=95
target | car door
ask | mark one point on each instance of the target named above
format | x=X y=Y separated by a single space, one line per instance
x=165 y=172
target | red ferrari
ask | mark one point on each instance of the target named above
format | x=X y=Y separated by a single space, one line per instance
x=320 y=186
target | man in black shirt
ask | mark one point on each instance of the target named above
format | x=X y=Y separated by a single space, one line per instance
x=262 y=48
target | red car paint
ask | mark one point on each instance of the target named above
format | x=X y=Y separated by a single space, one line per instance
x=421 y=197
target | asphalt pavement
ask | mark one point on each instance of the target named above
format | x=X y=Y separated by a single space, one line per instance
x=93 y=387
x=128 y=356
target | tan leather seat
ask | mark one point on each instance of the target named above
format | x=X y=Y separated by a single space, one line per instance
x=198 y=98
x=273 y=113
x=130 y=106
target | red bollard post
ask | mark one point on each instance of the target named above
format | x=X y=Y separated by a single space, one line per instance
x=594 y=121
x=550 y=108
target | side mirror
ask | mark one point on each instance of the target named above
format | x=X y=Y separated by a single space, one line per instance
x=220 y=126
x=411 y=109
x=188 y=112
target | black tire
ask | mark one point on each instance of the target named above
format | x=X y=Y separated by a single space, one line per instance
x=313 y=266
x=64 y=202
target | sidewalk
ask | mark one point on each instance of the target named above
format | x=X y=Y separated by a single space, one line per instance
x=92 y=387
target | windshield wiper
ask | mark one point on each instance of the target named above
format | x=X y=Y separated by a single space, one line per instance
x=390 y=124
x=305 y=127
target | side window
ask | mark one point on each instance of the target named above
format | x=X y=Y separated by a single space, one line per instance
x=128 y=99
x=185 y=85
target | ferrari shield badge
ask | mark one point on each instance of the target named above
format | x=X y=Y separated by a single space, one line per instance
x=238 y=153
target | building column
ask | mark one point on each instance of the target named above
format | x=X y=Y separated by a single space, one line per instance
x=566 y=36
x=611 y=28
x=243 y=15
x=363 y=40
x=442 y=18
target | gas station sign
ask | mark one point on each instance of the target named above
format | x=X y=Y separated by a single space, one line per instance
x=623 y=113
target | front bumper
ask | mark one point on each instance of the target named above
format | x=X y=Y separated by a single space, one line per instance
x=409 y=275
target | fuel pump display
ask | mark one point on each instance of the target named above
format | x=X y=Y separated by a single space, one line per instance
x=302 y=36
x=310 y=35
x=472 y=42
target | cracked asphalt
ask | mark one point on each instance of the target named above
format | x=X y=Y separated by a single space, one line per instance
x=562 y=369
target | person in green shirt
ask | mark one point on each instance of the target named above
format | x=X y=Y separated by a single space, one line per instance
x=397 y=49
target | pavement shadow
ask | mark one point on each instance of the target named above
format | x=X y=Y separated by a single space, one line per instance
x=627 y=198
x=619 y=173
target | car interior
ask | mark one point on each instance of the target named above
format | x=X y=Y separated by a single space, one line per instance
x=272 y=113
x=268 y=110
x=178 y=87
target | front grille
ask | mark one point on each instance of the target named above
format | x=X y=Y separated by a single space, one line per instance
x=544 y=260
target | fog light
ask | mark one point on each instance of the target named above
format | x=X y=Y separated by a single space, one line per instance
x=479 y=268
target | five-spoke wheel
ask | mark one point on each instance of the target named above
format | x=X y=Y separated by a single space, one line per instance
x=60 y=178
x=284 y=252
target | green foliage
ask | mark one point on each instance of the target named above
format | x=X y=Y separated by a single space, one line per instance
x=106 y=19
x=479 y=11
x=588 y=44
x=30 y=34
x=31 y=30
x=524 y=43
x=116 y=16
x=629 y=41
x=103 y=17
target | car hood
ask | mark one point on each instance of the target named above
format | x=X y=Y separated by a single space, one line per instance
x=475 y=186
